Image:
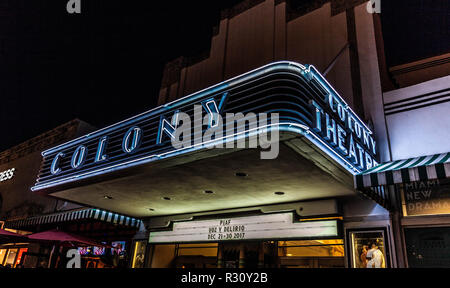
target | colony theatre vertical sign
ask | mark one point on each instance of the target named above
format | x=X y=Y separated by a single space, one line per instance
x=271 y=226
x=339 y=126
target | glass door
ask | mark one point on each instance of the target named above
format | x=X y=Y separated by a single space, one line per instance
x=10 y=258
x=2 y=255
x=368 y=248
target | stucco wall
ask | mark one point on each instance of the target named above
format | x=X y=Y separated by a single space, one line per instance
x=264 y=33
x=421 y=123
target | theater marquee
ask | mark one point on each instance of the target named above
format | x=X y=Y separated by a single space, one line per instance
x=306 y=103
x=272 y=226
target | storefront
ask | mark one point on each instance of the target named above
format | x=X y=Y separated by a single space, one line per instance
x=420 y=190
x=273 y=239
x=113 y=230
x=214 y=200
x=11 y=255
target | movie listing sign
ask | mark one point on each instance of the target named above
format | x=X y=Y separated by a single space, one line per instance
x=430 y=197
x=272 y=226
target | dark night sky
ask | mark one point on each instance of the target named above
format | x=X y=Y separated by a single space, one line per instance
x=106 y=64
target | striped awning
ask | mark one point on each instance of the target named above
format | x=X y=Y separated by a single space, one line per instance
x=403 y=171
x=74 y=215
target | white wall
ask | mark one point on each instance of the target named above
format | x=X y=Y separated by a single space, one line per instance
x=420 y=131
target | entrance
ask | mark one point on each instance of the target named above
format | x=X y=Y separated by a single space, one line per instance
x=328 y=253
x=260 y=254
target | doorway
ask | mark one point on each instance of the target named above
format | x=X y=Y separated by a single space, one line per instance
x=328 y=253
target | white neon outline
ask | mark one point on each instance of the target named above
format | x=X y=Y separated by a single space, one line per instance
x=79 y=153
x=302 y=69
x=211 y=113
x=99 y=155
x=217 y=108
x=340 y=98
x=223 y=85
x=163 y=129
x=241 y=78
x=304 y=130
x=55 y=160
x=330 y=129
x=134 y=144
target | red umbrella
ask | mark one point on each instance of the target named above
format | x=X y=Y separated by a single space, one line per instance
x=65 y=238
x=11 y=237
x=61 y=238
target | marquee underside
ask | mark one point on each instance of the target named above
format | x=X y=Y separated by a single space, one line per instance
x=301 y=170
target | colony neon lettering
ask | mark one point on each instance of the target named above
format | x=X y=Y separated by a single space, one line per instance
x=341 y=134
x=132 y=139
x=140 y=139
x=209 y=105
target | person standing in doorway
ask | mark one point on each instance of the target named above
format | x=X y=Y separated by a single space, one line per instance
x=376 y=257
x=362 y=257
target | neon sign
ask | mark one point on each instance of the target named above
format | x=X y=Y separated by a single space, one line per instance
x=6 y=175
x=344 y=131
x=306 y=103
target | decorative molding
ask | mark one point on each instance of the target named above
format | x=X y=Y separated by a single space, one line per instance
x=417 y=102
x=419 y=65
x=294 y=9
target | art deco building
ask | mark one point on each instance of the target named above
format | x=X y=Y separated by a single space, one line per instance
x=362 y=162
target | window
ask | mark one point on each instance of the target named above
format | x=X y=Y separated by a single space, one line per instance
x=203 y=249
x=19 y=257
x=428 y=247
x=2 y=255
x=426 y=197
x=163 y=256
x=311 y=248
x=139 y=254
x=11 y=256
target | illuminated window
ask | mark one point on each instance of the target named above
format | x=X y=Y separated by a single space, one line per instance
x=11 y=256
x=139 y=254
x=204 y=249
x=163 y=256
x=2 y=255
x=19 y=257
x=368 y=249
x=311 y=248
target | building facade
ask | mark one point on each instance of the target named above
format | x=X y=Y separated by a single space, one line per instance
x=359 y=177
x=343 y=41
x=24 y=212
